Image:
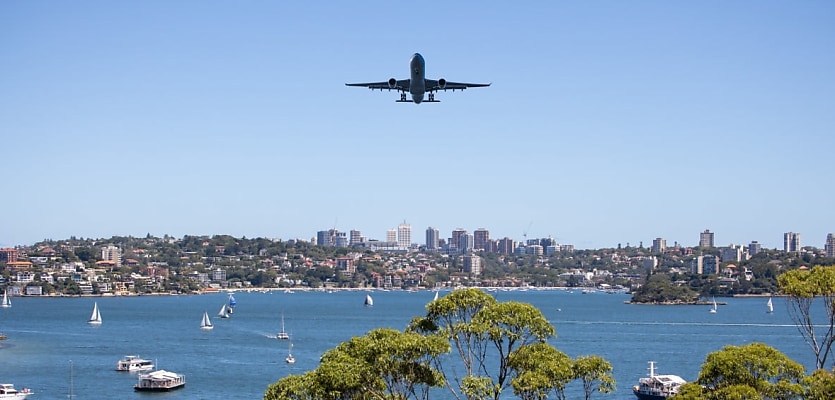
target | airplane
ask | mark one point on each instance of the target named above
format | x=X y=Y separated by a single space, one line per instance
x=418 y=85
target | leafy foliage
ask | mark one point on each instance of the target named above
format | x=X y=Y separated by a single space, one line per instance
x=660 y=289
x=802 y=288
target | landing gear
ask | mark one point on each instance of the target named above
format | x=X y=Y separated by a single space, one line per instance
x=402 y=96
x=431 y=96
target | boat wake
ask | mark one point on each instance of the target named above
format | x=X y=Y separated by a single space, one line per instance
x=639 y=323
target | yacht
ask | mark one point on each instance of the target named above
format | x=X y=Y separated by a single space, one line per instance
x=160 y=381
x=657 y=387
x=7 y=391
x=134 y=363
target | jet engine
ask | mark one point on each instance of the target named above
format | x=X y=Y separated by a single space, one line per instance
x=392 y=83
x=442 y=83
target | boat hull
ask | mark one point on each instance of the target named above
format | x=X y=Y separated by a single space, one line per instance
x=646 y=396
x=158 y=389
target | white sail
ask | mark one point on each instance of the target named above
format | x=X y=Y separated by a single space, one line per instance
x=206 y=323
x=6 y=302
x=222 y=313
x=283 y=335
x=770 y=306
x=368 y=300
x=95 y=317
x=436 y=296
x=713 y=310
x=290 y=359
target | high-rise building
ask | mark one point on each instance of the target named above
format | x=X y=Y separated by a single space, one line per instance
x=112 y=253
x=754 y=248
x=706 y=238
x=829 y=247
x=391 y=235
x=465 y=243
x=791 y=242
x=506 y=246
x=453 y=240
x=659 y=245
x=327 y=238
x=404 y=236
x=356 y=238
x=472 y=265
x=432 y=238
x=480 y=238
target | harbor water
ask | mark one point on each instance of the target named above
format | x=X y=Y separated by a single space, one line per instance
x=52 y=350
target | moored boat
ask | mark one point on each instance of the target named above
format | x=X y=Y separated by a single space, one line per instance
x=160 y=381
x=134 y=363
x=8 y=391
x=657 y=387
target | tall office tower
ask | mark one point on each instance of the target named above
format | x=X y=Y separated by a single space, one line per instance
x=404 y=236
x=112 y=253
x=706 y=238
x=340 y=239
x=391 y=235
x=432 y=238
x=659 y=245
x=356 y=238
x=326 y=238
x=506 y=246
x=754 y=248
x=466 y=243
x=453 y=240
x=791 y=242
x=480 y=238
x=829 y=247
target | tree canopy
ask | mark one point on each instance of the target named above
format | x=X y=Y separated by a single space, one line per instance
x=802 y=288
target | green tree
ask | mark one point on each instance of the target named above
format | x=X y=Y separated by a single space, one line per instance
x=540 y=369
x=802 y=288
x=596 y=374
x=481 y=329
x=383 y=364
x=753 y=371
x=820 y=385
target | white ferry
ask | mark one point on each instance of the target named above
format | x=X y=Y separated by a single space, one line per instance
x=657 y=387
x=160 y=381
x=7 y=391
x=134 y=363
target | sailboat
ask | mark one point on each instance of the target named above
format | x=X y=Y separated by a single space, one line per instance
x=436 y=296
x=6 y=302
x=95 y=317
x=770 y=306
x=283 y=334
x=206 y=323
x=713 y=310
x=369 y=301
x=231 y=308
x=222 y=313
x=290 y=359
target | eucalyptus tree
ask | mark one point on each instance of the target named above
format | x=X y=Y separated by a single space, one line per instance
x=595 y=373
x=383 y=364
x=753 y=371
x=540 y=370
x=802 y=288
x=484 y=334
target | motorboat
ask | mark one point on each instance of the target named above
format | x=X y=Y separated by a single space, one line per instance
x=160 y=381
x=8 y=391
x=657 y=387
x=134 y=363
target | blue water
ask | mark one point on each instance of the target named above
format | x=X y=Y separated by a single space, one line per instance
x=49 y=337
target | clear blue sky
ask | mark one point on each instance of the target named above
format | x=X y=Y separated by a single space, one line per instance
x=608 y=121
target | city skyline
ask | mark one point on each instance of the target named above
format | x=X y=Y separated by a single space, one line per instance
x=605 y=123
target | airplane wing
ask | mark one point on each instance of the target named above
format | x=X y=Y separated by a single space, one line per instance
x=441 y=84
x=391 y=84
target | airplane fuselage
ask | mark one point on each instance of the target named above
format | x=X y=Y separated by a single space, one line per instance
x=417 y=85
